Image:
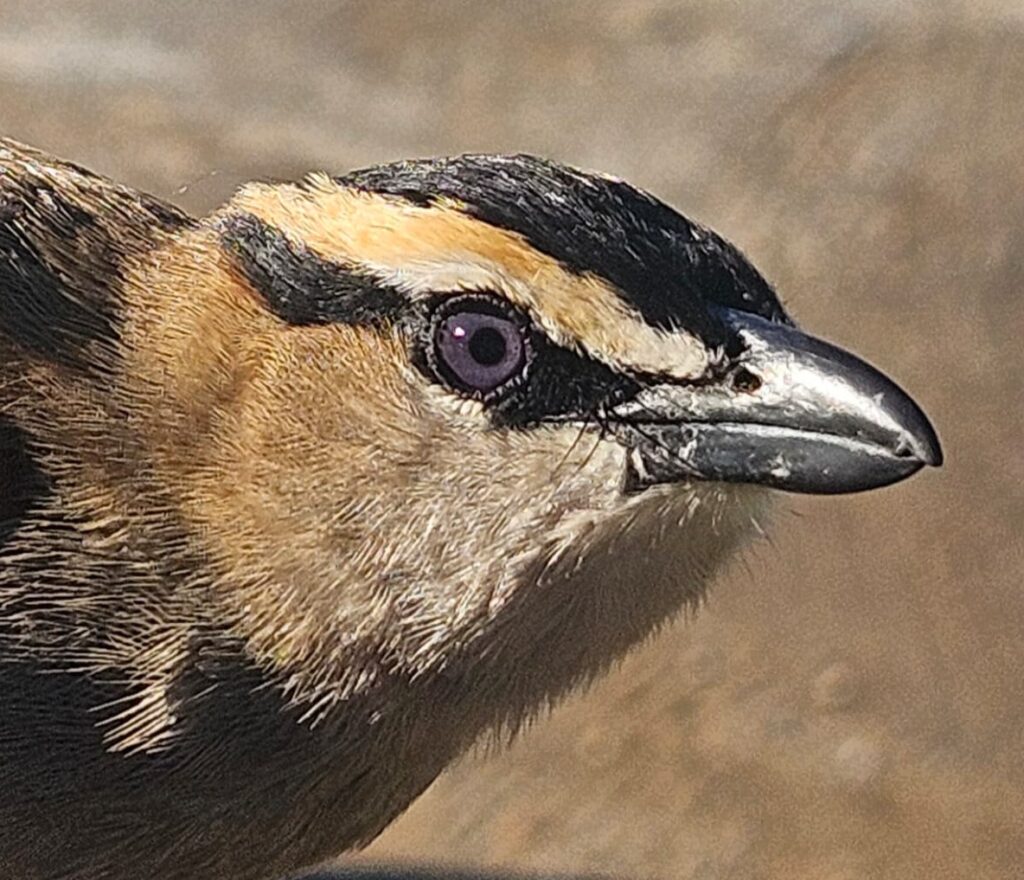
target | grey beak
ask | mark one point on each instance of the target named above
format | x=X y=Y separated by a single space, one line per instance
x=794 y=413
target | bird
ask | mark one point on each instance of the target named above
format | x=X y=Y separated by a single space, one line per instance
x=303 y=498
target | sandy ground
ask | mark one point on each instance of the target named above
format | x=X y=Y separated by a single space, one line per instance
x=851 y=702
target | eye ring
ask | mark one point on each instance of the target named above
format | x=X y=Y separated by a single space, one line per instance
x=479 y=345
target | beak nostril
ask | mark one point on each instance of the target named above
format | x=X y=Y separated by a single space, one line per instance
x=904 y=450
x=745 y=381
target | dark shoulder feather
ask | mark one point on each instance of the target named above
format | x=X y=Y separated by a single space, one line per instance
x=65 y=237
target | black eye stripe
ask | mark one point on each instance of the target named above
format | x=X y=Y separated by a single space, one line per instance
x=555 y=383
x=562 y=385
x=298 y=285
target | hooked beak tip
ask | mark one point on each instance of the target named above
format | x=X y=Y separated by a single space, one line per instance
x=819 y=421
x=918 y=439
x=927 y=447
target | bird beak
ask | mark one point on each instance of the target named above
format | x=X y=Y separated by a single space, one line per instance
x=794 y=413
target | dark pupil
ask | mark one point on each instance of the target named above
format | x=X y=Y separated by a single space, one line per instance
x=487 y=346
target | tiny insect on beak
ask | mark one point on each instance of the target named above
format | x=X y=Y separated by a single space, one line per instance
x=794 y=413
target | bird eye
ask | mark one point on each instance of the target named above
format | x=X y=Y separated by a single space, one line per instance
x=478 y=348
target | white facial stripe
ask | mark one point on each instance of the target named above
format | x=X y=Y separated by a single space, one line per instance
x=647 y=349
x=422 y=280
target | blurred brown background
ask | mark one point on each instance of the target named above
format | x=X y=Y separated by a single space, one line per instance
x=851 y=702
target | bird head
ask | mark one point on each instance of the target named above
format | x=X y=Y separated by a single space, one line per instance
x=486 y=415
